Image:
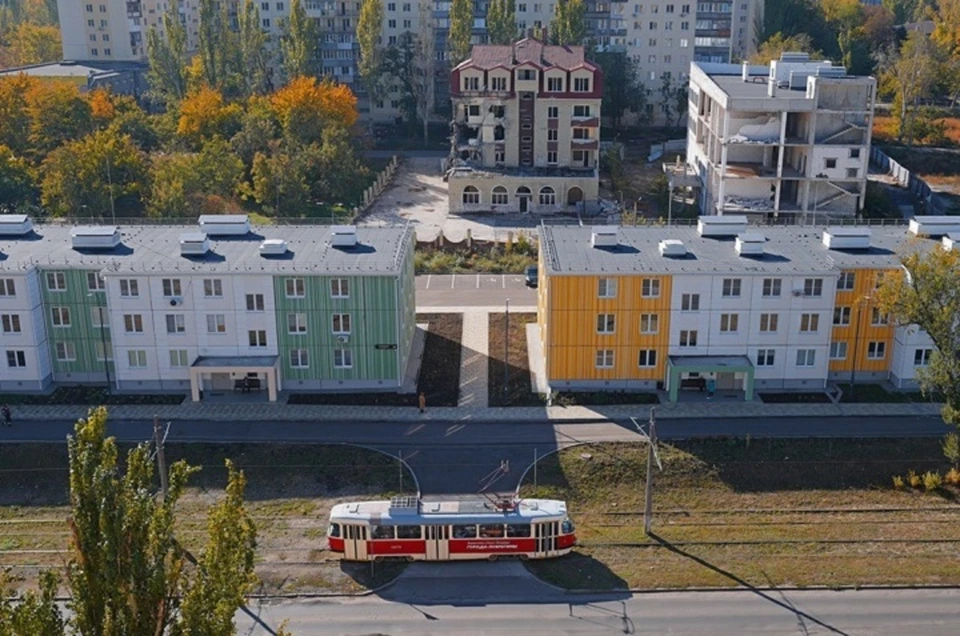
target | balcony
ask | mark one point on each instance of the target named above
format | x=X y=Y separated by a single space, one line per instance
x=584 y=144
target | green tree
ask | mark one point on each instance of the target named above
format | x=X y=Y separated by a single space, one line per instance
x=254 y=51
x=426 y=65
x=339 y=173
x=167 y=54
x=58 y=114
x=219 y=169
x=369 y=26
x=568 y=26
x=905 y=10
x=279 y=181
x=258 y=128
x=17 y=183
x=30 y=43
x=912 y=74
x=399 y=64
x=772 y=47
x=623 y=90
x=502 y=21
x=461 y=31
x=215 y=42
x=673 y=99
x=298 y=44
x=36 y=614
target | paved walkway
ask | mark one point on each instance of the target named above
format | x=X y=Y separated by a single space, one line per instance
x=474 y=384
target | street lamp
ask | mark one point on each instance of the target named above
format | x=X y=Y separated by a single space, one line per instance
x=103 y=333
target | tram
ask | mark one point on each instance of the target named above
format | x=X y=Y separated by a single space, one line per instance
x=469 y=529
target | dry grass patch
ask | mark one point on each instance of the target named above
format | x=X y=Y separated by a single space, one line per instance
x=518 y=391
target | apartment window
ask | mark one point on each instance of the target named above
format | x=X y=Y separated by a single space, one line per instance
x=769 y=322
x=471 y=195
x=295 y=288
x=66 y=351
x=342 y=359
x=526 y=74
x=555 y=84
x=7 y=287
x=650 y=288
x=16 y=359
x=213 y=288
x=838 y=350
x=852 y=173
x=499 y=156
x=841 y=316
x=553 y=112
x=605 y=323
x=581 y=133
x=772 y=287
x=876 y=350
x=106 y=51
x=392 y=24
x=647 y=358
x=499 y=196
x=553 y=134
x=171 y=287
x=496 y=83
x=11 y=323
x=103 y=8
x=921 y=357
x=649 y=323
x=604 y=359
x=257 y=337
x=471 y=83
x=731 y=288
x=102 y=352
x=854 y=153
x=98 y=317
x=136 y=358
x=178 y=358
x=341 y=323
x=95 y=282
x=690 y=302
x=551 y=157
x=133 y=323
x=299 y=359
x=729 y=322
x=176 y=323
x=216 y=323
x=846 y=281
x=809 y=323
x=688 y=338
x=830 y=163
x=813 y=287
x=340 y=288
x=581 y=84
x=129 y=288
x=90 y=8
x=806 y=357
x=56 y=281
x=60 y=316
x=297 y=323
x=548 y=196
x=473 y=110
x=765 y=357
x=581 y=111
x=255 y=302
x=607 y=288
x=878 y=318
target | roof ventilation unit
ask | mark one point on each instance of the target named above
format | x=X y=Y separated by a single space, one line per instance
x=604 y=236
x=273 y=247
x=750 y=244
x=951 y=241
x=95 y=237
x=15 y=225
x=847 y=238
x=225 y=224
x=194 y=244
x=935 y=225
x=672 y=247
x=343 y=235
x=722 y=225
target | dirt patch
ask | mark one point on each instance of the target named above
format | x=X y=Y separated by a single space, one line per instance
x=519 y=391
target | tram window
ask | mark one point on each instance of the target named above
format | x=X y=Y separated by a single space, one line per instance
x=566 y=527
x=408 y=532
x=491 y=531
x=333 y=530
x=381 y=532
x=518 y=530
x=464 y=532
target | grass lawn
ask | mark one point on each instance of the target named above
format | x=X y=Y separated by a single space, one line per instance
x=439 y=371
x=518 y=391
x=877 y=393
x=290 y=489
x=93 y=395
x=762 y=512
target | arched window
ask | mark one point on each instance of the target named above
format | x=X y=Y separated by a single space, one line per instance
x=500 y=196
x=471 y=195
x=574 y=195
x=523 y=191
x=547 y=196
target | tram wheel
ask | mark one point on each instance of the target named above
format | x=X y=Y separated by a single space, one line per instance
x=410 y=559
x=493 y=557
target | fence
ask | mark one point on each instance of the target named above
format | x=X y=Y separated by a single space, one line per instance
x=674 y=145
x=915 y=185
x=383 y=180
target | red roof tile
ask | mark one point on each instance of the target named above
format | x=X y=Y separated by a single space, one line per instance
x=488 y=56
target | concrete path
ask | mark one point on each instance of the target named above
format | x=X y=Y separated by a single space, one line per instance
x=474 y=384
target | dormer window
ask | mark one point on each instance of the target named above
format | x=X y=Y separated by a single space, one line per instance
x=498 y=83
x=526 y=74
x=581 y=84
x=555 y=84
x=471 y=83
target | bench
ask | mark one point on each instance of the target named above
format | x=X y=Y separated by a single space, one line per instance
x=246 y=384
x=694 y=383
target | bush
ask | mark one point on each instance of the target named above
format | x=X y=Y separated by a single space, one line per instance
x=951 y=448
x=952 y=477
x=932 y=481
x=914 y=479
x=898 y=482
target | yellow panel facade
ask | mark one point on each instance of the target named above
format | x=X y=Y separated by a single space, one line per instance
x=861 y=307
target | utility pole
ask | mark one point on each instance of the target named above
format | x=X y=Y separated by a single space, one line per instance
x=113 y=211
x=506 y=355
x=653 y=455
x=161 y=460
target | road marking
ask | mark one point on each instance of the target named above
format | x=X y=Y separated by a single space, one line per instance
x=453 y=279
x=428 y=280
x=503 y=282
x=478 y=281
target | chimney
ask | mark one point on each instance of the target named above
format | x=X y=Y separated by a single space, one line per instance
x=772 y=87
x=543 y=34
x=530 y=32
x=745 y=72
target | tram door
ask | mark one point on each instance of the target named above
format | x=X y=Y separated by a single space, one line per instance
x=438 y=545
x=355 y=542
x=546 y=535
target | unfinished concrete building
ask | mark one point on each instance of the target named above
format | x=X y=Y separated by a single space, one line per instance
x=785 y=140
x=525 y=129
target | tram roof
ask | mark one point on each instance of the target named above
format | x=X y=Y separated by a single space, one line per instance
x=452 y=512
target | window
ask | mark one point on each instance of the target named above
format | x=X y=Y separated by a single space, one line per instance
x=178 y=358
x=60 y=316
x=471 y=83
x=607 y=288
x=553 y=134
x=581 y=133
x=340 y=288
x=731 y=288
x=606 y=323
x=66 y=351
x=99 y=317
x=648 y=358
x=688 y=338
x=499 y=156
x=257 y=338
x=136 y=358
x=551 y=157
x=729 y=322
x=341 y=323
x=382 y=532
x=297 y=323
x=838 y=350
x=547 y=196
x=7 y=287
x=769 y=322
x=553 y=112
x=16 y=359
x=876 y=350
x=176 y=323
x=342 y=359
x=649 y=323
x=854 y=153
x=878 y=318
x=11 y=323
x=809 y=323
x=650 y=288
x=299 y=359
x=690 y=302
x=841 y=316
x=813 y=287
x=473 y=110
x=527 y=74
x=496 y=83
x=581 y=84
x=408 y=532
x=500 y=196
x=216 y=323
x=129 y=288
x=853 y=173
x=464 y=532
x=133 y=323
x=212 y=288
x=471 y=195
x=295 y=288
x=255 y=302
x=765 y=357
x=56 y=281
x=921 y=357
x=95 y=282
x=830 y=163
x=806 y=357
x=846 y=281
x=555 y=84
x=519 y=530
x=581 y=111
x=604 y=359
x=171 y=287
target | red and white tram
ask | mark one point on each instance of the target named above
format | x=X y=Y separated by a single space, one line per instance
x=409 y=529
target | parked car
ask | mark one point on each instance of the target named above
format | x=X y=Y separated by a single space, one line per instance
x=531 y=277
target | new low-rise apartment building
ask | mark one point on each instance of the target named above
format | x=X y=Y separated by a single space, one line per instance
x=188 y=308
x=747 y=307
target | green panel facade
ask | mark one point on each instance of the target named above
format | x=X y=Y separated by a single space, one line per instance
x=79 y=300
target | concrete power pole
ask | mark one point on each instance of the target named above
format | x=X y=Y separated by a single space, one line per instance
x=653 y=455
x=161 y=460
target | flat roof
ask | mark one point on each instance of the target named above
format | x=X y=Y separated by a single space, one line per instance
x=152 y=249
x=446 y=512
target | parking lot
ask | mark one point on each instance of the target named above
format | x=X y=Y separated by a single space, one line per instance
x=477 y=290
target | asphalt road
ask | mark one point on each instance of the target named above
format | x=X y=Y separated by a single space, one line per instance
x=474 y=290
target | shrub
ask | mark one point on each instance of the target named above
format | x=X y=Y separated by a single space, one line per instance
x=951 y=449
x=898 y=482
x=952 y=477
x=932 y=481
x=914 y=479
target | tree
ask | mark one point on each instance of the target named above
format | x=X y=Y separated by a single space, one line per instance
x=298 y=44
x=204 y=114
x=167 y=53
x=461 y=31
x=399 y=64
x=338 y=173
x=426 y=66
x=218 y=47
x=14 y=114
x=37 y=613
x=30 y=43
x=58 y=113
x=369 y=26
x=925 y=293
x=17 y=184
x=568 y=25
x=278 y=180
x=772 y=47
x=258 y=128
x=253 y=50
x=673 y=99
x=623 y=90
x=502 y=21
x=304 y=107
x=905 y=10
x=911 y=74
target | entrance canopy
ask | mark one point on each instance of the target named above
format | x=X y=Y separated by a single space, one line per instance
x=233 y=366
x=678 y=365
